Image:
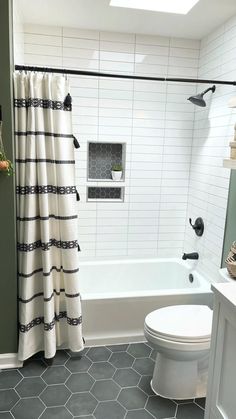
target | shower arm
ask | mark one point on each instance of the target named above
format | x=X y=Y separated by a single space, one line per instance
x=213 y=88
x=120 y=76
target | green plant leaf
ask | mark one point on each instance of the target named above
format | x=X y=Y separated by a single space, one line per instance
x=117 y=167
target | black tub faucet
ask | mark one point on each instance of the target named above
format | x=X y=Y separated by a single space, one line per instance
x=193 y=255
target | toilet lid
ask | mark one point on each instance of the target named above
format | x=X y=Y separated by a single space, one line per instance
x=186 y=322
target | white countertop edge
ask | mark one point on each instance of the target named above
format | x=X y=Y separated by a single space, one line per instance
x=226 y=292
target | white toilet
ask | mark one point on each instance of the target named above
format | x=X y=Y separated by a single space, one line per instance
x=181 y=334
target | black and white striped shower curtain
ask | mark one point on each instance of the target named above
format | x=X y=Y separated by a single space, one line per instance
x=48 y=272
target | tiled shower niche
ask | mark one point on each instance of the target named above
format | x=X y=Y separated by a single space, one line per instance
x=105 y=193
x=101 y=157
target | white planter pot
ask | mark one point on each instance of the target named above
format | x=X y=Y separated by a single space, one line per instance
x=116 y=175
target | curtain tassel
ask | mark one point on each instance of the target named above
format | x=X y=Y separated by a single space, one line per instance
x=68 y=101
x=79 y=250
x=76 y=142
x=77 y=196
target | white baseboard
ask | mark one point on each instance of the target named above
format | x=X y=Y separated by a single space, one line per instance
x=112 y=340
x=10 y=361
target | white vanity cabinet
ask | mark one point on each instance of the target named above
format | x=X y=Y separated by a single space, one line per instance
x=221 y=392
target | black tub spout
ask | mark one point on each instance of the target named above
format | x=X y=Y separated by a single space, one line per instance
x=193 y=256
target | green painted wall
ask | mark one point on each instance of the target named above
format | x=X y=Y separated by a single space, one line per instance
x=8 y=267
x=230 y=226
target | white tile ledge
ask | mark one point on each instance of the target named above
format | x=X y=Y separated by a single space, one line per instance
x=109 y=183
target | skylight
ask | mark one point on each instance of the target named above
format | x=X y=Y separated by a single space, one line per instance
x=166 y=6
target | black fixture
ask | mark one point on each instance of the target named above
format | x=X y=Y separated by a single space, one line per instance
x=198 y=226
x=192 y=256
x=191 y=278
x=118 y=76
x=76 y=142
x=198 y=99
x=68 y=101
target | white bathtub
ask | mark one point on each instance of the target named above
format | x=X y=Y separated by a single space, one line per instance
x=117 y=295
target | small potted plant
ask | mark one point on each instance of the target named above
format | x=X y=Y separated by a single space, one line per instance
x=116 y=172
x=5 y=165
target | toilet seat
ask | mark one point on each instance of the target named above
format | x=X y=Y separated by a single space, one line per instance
x=181 y=324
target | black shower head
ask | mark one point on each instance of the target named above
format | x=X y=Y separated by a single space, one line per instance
x=198 y=99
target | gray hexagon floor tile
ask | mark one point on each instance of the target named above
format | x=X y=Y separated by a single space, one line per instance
x=109 y=410
x=33 y=368
x=183 y=401
x=59 y=359
x=153 y=355
x=161 y=408
x=138 y=414
x=201 y=402
x=24 y=406
x=105 y=390
x=145 y=385
x=9 y=379
x=30 y=387
x=144 y=366
x=126 y=377
x=76 y=364
x=132 y=398
x=8 y=399
x=110 y=382
x=55 y=375
x=80 y=381
x=55 y=395
x=84 y=417
x=186 y=411
x=99 y=353
x=56 y=413
x=77 y=354
x=118 y=348
x=151 y=345
x=101 y=370
x=139 y=350
x=121 y=360
x=81 y=404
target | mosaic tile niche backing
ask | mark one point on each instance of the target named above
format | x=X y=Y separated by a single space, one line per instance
x=101 y=158
x=104 y=193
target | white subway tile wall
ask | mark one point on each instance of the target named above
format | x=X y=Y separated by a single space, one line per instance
x=18 y=34
x=213 y=130
x=153 y=119
x=174 y=150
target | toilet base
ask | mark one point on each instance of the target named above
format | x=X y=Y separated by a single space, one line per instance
x=180 y=380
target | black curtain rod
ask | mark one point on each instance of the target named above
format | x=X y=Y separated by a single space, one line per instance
x=118 y=76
